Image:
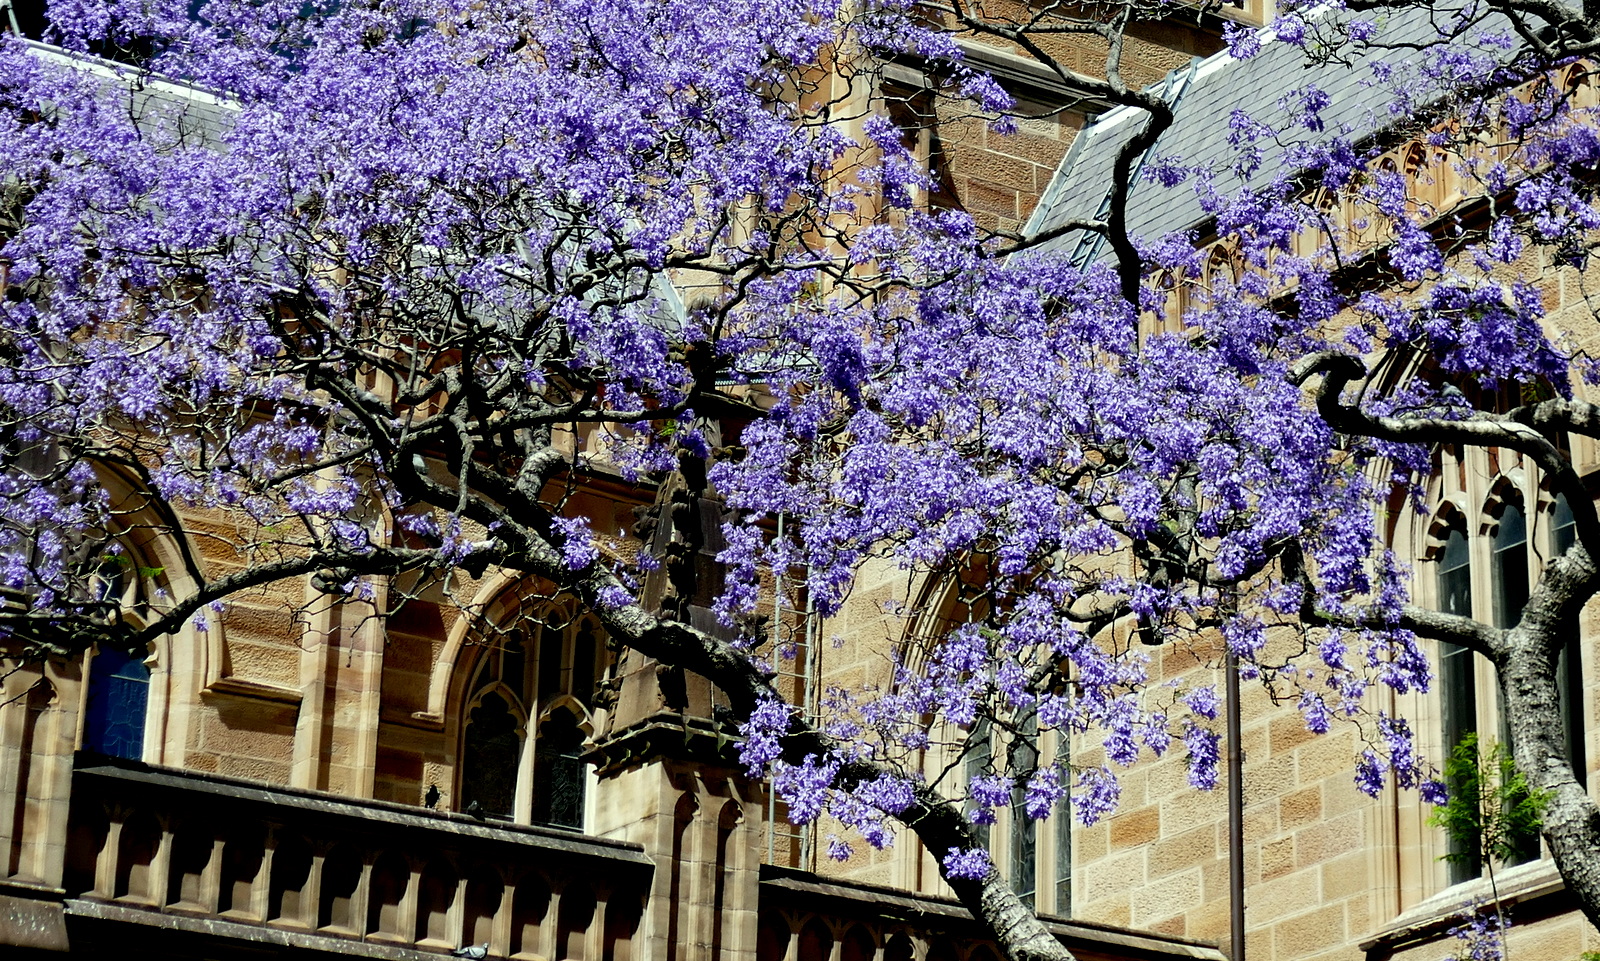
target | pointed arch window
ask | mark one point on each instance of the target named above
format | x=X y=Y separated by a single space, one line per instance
x=1510 y=567
x=1569 y=663
x=1013 y=750
x=491 y=755
x=119 y=690
x=558 y=772
x=1024 y=830
x=1509 y=570
x=1458 y=682
x=528 y=710
x=1506 y=552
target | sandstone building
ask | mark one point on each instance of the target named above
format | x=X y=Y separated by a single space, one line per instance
x=336 y=784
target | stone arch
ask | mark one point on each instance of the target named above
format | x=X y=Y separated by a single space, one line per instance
x=154 y=554
x=901 y=945
x=815 y=942
x=1447 y=516
x=1506 y=492
x=523 y=646
x=337 y=901
x=859 y=943
x=774 y=937
x=1577 y=84
x=1423 y=179
x=1320 y=223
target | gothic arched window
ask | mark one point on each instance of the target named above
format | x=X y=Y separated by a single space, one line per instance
x=1569 y=665
x=1458 y=681
x=1509 y=567
x=526 y=714
x=491 y=755
x=119 y=688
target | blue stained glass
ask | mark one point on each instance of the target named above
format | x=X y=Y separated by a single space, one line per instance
x=119 y=687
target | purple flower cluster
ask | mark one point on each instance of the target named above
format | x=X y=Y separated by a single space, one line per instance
x=968 y=863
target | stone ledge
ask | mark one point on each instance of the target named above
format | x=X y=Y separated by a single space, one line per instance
x=1537 y=883
x=260 y=690
x=234 y=931
x=32 y=917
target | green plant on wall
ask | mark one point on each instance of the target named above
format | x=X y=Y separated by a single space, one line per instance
x=1492 y=813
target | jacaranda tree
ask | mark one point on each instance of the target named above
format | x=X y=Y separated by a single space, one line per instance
x=348 y=280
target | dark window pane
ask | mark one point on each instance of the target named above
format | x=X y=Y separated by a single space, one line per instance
x=1569 y=666
x=980 y=749
x=119 y=687
x=550 y=644
x=583 y=661
x=514 y=663
x=27 y=18
x=1024 y=831
x=491 y=752
x=1455 y=576
x=558 y=773
x=1510 y=568
x=1563 y=528
x=1063 y=818
x=1457 y=684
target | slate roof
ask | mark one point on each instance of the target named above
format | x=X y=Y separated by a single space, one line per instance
x=1204 y=97
x=197 y=112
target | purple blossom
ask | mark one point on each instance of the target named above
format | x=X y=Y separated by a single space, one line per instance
x=762 y=733
x=838 y=849
x=577 y=543
x=1203 y=701
x=1203 y=745
x=967 y=863
x=1045 y=790
x=1095 y=794
x=804 y=786
x=1243 y=42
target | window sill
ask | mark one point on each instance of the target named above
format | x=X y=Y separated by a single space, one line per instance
x=1431 y=918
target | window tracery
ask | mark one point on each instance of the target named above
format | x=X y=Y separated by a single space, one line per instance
x=1484 y=561
x=528 y=708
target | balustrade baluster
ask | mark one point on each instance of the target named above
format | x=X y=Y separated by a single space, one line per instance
x=594 y=942
x=261 y=887
x=361 y=901
x=211 y=877
x=500 y=938
x=458 y=909
x=161 y=864
x=408 y=903
x=549 y=927
x=311 y=897
x=105 y=864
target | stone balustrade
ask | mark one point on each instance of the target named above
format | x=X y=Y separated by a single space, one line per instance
x=288 y=866
x=807 y=918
